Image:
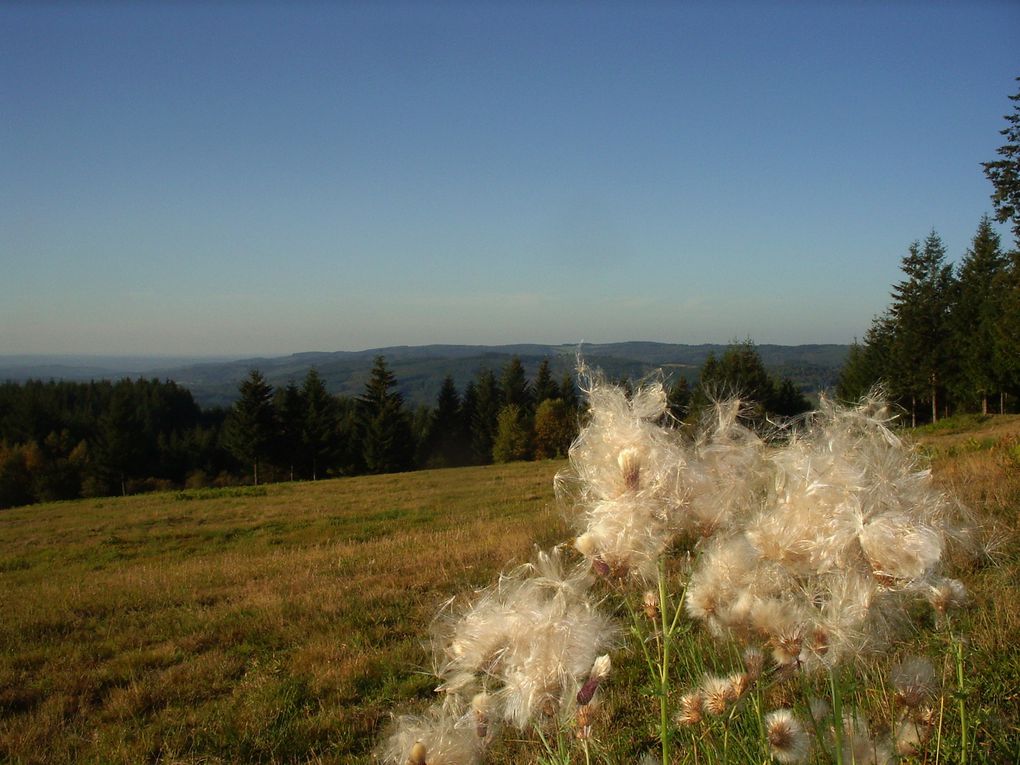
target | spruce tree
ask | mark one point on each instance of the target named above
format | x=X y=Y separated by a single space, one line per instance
x=488 y=402
x=922 y=354
x=251 y=424
x=1005 y=173
x=387 y=444
x=290 y=414
x=544 y=386
x=319 y=431
x=977 y=313
x=446 y=433
x=514 y=385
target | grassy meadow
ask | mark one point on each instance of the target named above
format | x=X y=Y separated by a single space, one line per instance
x=286 y=623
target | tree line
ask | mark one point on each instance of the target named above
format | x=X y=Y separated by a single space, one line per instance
x=63 y=440
x=950 y=339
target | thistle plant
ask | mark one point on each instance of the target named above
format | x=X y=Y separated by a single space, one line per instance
x=804 y=553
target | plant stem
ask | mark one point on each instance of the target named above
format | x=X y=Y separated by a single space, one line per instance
x=961 y=697
x=664 y=732
x=837 y=716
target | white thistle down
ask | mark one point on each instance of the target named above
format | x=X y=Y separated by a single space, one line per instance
x=530 y=641
x=623 y=479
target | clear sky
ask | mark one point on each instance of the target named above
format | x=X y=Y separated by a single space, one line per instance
x=268 y=178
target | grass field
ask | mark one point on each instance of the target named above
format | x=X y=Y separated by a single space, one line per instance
x=286 y=623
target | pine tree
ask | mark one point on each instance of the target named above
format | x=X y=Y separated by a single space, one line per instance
x=922 y=352
x=514 y=385
x=446 y=436
x=251 y=424
x=319 y=428
x=290 y=414
x=544 y=386
x=488 y=402
x=1005 y=173
x=386 y=440
x=977 y=313
x=568 y=392
x=1007 y=331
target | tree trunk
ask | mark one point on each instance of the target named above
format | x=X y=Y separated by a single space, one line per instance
x=934 y=402
x=1002 y=402
x=255 y=471
x=984 y=404
x=913 y=411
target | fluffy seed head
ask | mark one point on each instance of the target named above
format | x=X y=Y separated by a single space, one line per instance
x=914 y=681
x=691 y=705
x=788 y=741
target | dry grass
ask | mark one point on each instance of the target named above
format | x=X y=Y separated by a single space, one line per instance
x=285 y=624
x=273 y=625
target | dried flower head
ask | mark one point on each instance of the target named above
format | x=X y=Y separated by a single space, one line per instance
x=788 y=741
x=946 y=595
x=914 y=681
x=445 y=734
x=716 y=694
x=691 y=705
x=530 y=640
x=599 y=671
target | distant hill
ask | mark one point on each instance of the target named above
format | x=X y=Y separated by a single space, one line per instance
x=420 y=369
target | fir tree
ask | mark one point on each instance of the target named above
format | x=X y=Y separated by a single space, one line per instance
x=977 y=313
x=1005 y=173
x=544 y=386
x=921 y=303
x=514 y=385
x=387 y=444
x=319 y=428
x=251 y=424
x=488 y=402
x=290 y=417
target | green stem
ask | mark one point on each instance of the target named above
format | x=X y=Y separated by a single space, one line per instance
x=664 y=731
x=837 y=716
x=961 y=698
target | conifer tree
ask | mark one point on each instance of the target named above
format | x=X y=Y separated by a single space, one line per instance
x=1005 y=173
x=514 y=385
x=921 y=351
x=488 y=402
x=977 y=313
x=319 y=428
x=555 y=428
x=290 y=416
x=386 y=441
x=544 y=386
x=446 y=437
x=251 y=424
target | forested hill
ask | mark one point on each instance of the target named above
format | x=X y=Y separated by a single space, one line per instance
x=420 y=369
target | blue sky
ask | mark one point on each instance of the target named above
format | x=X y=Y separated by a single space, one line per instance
x=268 y=178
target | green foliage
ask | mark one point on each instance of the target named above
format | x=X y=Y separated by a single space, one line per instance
x=741 y=373
x=513 y=435
x=1005 y=173
x=555 y=428
x=385 y=428
x=251 y=424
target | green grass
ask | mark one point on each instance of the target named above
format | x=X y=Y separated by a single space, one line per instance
x=281 y=624
x=285 y=624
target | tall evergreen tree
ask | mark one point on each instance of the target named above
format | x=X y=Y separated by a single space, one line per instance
x=568 y=392
x=251 y=424
x=319 y=430
x=1005 y=173
x=976 y=315
x=290 y=415
x=1007 y=331
x=120 y=441
x=544 y=387
x=921 y=303
x=447 y=437
x=514 y=385
x=386 y=440
x=488 y=402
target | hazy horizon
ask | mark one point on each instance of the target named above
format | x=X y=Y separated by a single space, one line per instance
x=269 y=179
